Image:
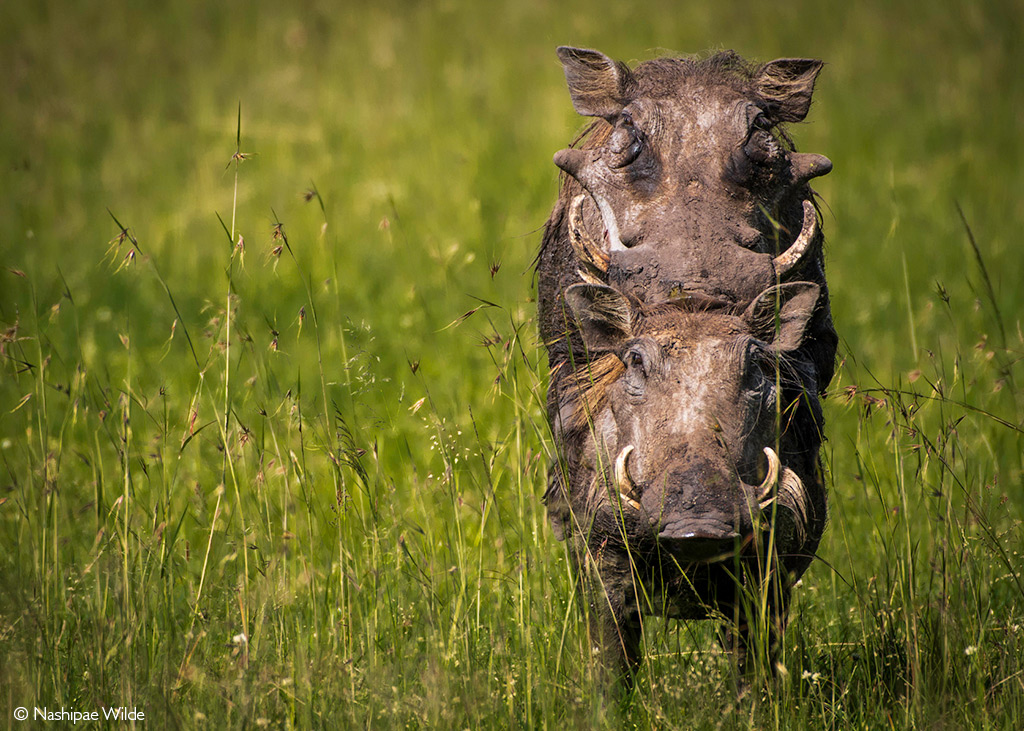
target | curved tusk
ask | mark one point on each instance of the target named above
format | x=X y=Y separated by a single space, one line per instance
x=630 y=502
x=792 y=256
x=771 y=479
x=593 y=260
x=622 y=479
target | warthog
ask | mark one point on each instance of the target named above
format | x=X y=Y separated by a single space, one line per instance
x=687 y=182
x=678 y=475
x=683 y=303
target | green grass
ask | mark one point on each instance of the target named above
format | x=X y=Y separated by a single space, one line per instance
x=329 y=438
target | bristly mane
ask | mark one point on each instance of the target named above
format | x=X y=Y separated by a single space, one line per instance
x=586 y=390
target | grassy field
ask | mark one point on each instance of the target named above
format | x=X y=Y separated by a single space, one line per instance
x=271 y=435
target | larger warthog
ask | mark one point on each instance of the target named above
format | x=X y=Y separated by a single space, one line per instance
x=686 y=183
x=683 y=303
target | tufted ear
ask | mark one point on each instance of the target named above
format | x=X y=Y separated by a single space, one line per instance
x=780 y=314
x=786 y=85
x=603 y=313
x=598 y=85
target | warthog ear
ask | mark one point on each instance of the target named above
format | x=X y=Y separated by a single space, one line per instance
x=598 y=85
x=780 y=314
x=603 y=314
x=786 y=85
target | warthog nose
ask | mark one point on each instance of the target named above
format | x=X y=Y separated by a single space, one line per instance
x=697 y=513
x=701 y=548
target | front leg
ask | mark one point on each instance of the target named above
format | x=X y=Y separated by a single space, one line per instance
x=755 y=619
x=613 y=617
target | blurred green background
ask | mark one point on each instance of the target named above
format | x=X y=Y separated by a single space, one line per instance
x=341 y=394
x=447 y=114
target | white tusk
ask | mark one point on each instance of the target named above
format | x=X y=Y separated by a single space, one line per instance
x=771 y=479
x=630 y=502
x=622 y=478
x=593 y=259
x=611 y=226
x=792 y=256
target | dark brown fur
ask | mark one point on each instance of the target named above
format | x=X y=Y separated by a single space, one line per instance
x=692 y=223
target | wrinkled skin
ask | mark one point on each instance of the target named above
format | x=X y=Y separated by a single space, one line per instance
x=664 y=435
x=692 y=201
x=691 y=185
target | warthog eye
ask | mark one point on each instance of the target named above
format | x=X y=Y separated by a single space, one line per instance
x=626 y=143
x=642 y=358
x=762 y=122
x=761 y=145
x=635 y=359
x=638 y=368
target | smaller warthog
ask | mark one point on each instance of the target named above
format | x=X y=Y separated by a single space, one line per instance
x=675 y=458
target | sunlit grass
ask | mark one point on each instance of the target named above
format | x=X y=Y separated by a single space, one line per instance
x=272 y=430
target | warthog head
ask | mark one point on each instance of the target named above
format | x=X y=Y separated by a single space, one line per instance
x=692 y=183
x=675 y=428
